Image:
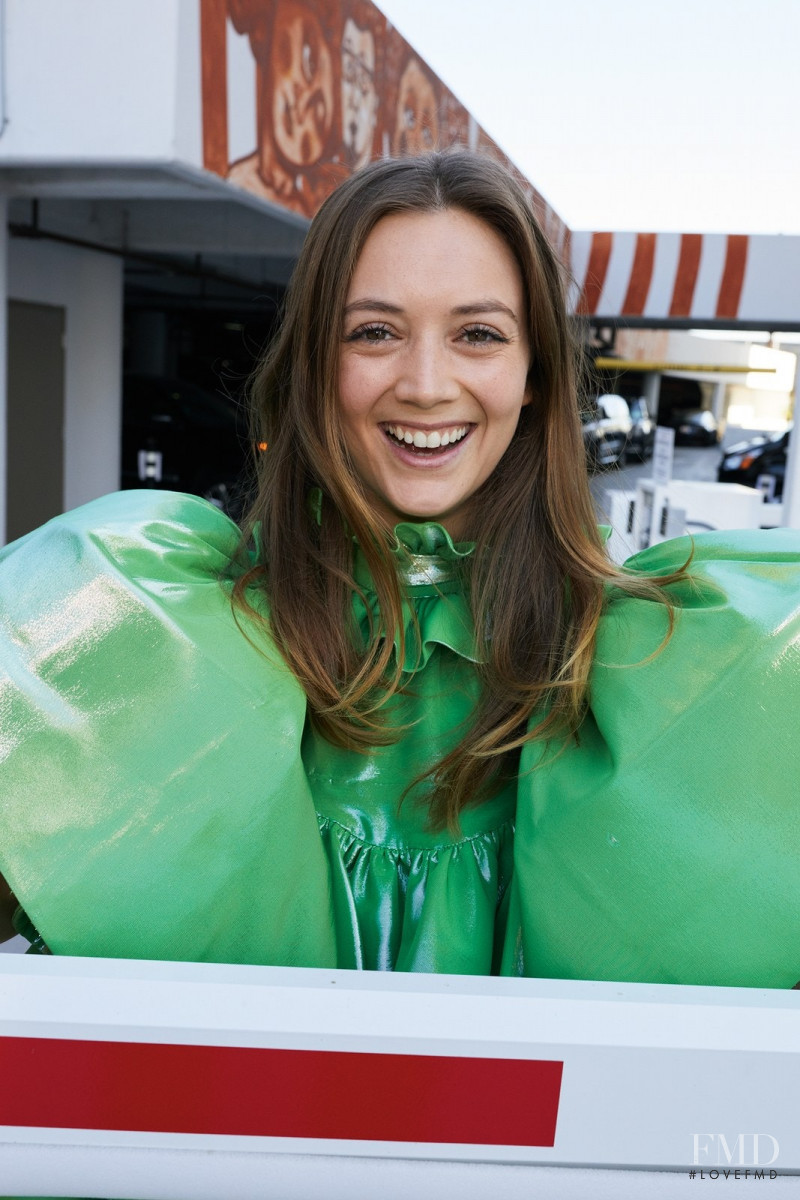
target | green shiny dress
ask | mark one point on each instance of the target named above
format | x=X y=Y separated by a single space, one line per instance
x=163 y=795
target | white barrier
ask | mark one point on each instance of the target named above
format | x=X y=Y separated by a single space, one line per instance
x=706 y=504
x=139 y=1079
x=654 y=512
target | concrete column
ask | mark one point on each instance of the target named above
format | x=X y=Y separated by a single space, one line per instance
x=3 y=364
x=718 y=400
x=651 y=389
x=89 y=286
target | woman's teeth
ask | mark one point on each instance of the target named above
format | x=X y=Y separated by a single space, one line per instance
x=427 y=441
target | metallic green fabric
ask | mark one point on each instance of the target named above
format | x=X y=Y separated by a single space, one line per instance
x=163 y=795
x=153 y=800
x=664 y=845
x=406 y=898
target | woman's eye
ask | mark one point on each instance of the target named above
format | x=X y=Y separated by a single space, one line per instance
x=481 y=335
x=370 y=333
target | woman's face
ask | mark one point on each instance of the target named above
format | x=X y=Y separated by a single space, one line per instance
x=434 y=363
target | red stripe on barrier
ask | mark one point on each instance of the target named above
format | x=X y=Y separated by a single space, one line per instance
x=641 y=275
x=254 y=1092
x=599 y=258
x=686 y=274
x=730 y=289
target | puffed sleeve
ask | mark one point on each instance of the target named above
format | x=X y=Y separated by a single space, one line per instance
x=663 y=843
x=153 y=802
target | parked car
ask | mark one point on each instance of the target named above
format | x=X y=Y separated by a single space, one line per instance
x=643 y=431
x=178 y=436
x=745 y=461
x=607 y=426
x=693 y=427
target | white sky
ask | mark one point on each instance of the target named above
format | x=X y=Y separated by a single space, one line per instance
x=632 y=114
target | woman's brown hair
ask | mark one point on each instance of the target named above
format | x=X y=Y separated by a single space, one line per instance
x=539 y=573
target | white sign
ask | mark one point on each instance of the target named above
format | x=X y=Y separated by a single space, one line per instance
x=663 y=450
x=766 y=484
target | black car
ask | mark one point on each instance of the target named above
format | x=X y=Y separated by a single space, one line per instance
x=693 y=427
x=178 y=436
x=744 y=462
x=643 y=430
x=607 y=426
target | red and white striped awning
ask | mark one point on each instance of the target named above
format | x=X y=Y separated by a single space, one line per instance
x=668 y=278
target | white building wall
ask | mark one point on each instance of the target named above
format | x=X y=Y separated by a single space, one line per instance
x=93 y=79
x=90 y=287
x=188 y=125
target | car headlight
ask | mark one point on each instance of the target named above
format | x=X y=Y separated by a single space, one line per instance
x=733 y=463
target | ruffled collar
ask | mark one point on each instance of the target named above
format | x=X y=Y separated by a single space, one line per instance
x=428 y=562
x=432 y=569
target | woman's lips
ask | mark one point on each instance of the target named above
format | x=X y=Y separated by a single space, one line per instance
x=422 y=449
x=427 y=439
x=425 y=447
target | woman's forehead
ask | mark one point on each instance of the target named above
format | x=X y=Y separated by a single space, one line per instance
x=436 y=252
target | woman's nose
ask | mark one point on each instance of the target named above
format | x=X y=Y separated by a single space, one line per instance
x=426 y=376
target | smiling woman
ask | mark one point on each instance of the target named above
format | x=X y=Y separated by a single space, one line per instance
x=411 y=717
x=434 y=366
x=450 y=322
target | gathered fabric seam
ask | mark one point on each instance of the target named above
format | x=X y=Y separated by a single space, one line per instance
x=404 y=849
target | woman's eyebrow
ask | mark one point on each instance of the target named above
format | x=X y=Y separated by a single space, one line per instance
x=369 y=305
x=485 y=306
x=462 y=310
